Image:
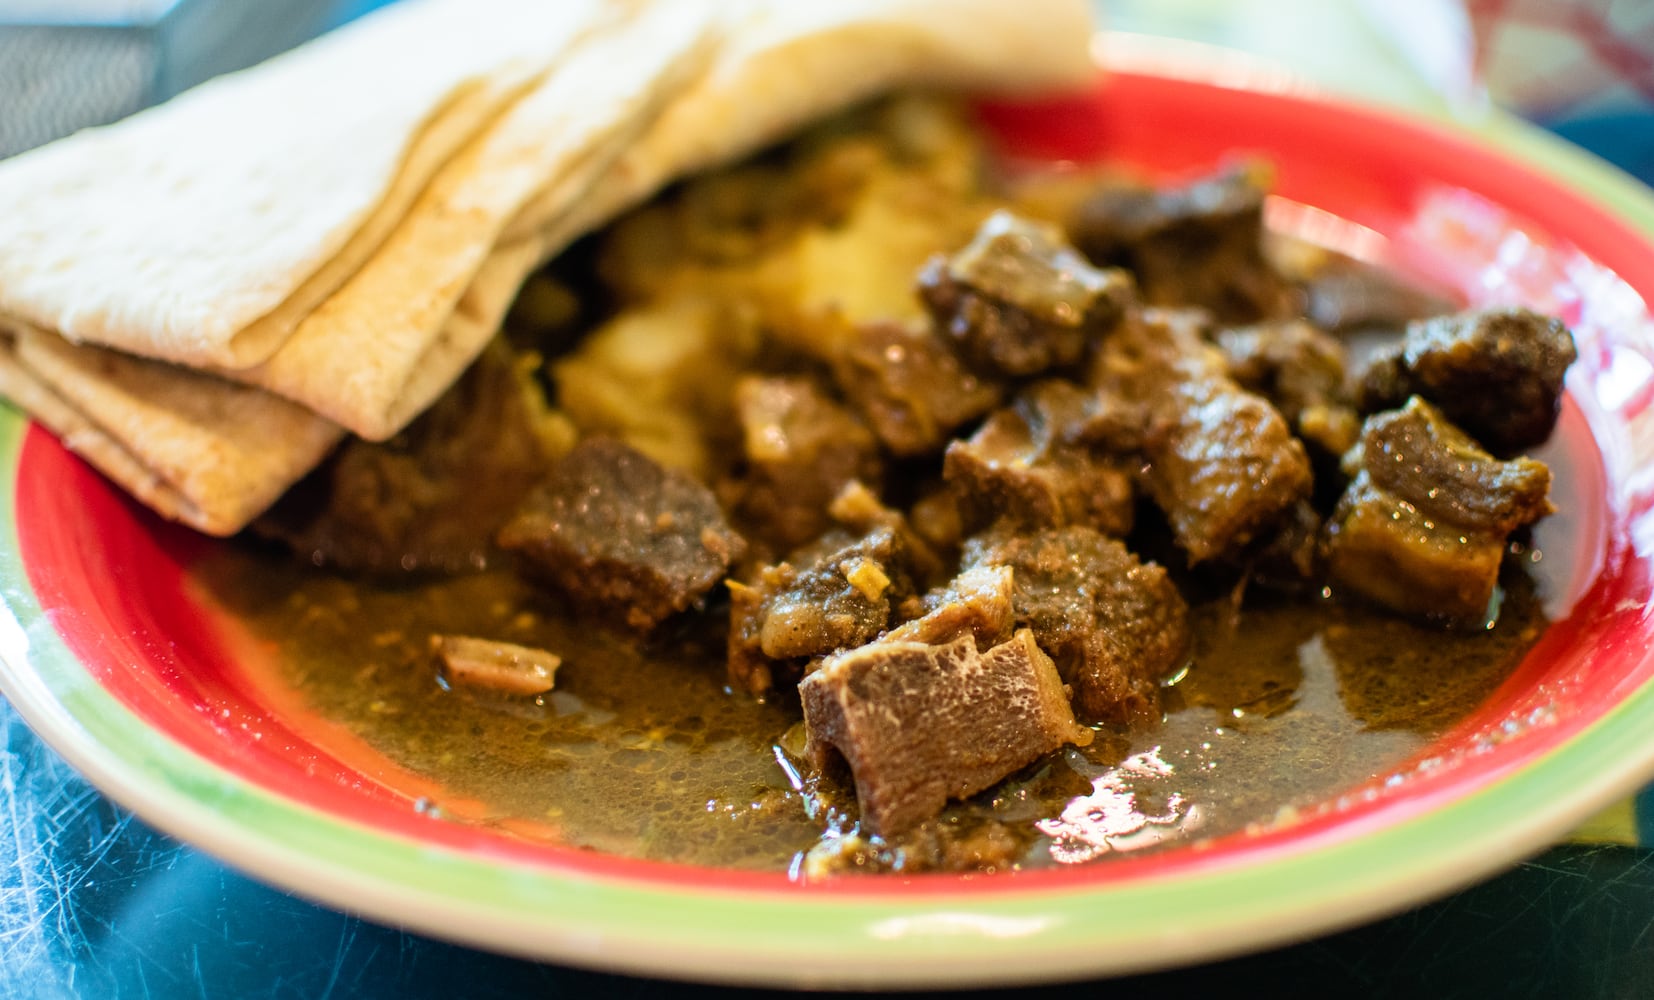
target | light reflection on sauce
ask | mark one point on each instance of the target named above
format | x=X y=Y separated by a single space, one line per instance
x=1112 y=817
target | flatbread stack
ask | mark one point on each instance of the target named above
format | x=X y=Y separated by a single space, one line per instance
x=202 y=300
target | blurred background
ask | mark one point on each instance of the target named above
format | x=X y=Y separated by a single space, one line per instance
x=93 y=903
x=67 y=64
x=1583 y=68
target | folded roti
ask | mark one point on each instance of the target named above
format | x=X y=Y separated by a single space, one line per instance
x=197 y=449
x=378 y=352
x=790 y=63
x=471 y=326
x=172 y=234
x=365 y=357
x=213 y=453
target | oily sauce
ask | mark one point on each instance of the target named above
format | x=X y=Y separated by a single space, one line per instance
x=642 y=751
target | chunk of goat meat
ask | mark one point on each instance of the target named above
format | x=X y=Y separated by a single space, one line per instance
x=1343 y=294
x=411 y=503
x=1289 y=557
x=978 y=601
x=620 y=536
x=799 y=449
x=1423 y=526
x=1496 y=374
x=859 y=510
x=1027 y=462
x=920 y=724
x=1220 y=461
x=1115 y=625
x=908 y=386
x=1199 y=245
x=492 y=665
x=1302 y=371
x=936 y=518
x=1018 y=300
x=837 y=593
x=1419 y=455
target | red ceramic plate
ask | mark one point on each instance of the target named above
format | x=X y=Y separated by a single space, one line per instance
x=160 y=701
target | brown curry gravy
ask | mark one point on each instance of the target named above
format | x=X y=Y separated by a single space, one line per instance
x=643 y=752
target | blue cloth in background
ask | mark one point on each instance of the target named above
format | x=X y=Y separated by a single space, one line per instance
x=350 y=10
x=1625 y=139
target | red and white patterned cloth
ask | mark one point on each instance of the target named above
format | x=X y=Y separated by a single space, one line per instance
x=1566 y=59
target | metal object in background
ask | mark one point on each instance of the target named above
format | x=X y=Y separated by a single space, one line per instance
x=69 y=64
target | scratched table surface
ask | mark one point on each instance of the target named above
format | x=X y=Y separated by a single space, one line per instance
x=94 y=903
